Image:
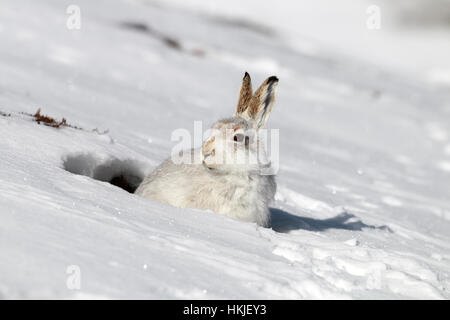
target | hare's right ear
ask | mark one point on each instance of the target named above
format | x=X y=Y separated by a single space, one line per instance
x=245 y=95
x=262 y=102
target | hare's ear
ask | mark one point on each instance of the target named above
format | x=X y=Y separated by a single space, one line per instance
x=262 y=101
x=245 y=95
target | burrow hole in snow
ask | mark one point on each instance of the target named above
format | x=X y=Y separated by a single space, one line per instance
x=125 y=174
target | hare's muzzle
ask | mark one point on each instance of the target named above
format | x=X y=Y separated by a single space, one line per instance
x=208 y=153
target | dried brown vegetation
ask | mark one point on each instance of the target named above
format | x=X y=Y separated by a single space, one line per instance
x=51 y=122
x=166 y=39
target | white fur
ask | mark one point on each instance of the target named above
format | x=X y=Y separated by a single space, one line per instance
x=241 y=195
x=236 y=189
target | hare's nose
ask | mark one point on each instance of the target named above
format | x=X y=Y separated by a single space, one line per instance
x=208 y=148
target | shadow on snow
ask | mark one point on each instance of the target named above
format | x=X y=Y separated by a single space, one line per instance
x=283 y=221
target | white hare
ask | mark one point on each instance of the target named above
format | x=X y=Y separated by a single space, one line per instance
x=229 y=178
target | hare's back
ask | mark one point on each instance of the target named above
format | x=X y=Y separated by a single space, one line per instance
x=171 y=182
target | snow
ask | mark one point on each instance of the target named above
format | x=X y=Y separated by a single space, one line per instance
x=362 y=209
x=411 y=32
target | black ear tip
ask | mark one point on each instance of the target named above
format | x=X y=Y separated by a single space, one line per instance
x=246 y=75
x=272 y=79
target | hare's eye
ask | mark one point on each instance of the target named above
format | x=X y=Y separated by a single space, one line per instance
x=238 y=137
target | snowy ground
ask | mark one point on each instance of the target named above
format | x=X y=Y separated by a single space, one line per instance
x=363 y=202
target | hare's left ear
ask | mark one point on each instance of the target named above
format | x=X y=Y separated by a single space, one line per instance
x=245 y=95
x=262 y=102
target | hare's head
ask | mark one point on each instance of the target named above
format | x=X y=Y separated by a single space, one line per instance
x=234 y=143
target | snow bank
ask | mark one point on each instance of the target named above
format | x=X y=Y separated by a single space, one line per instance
x=362 y=209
